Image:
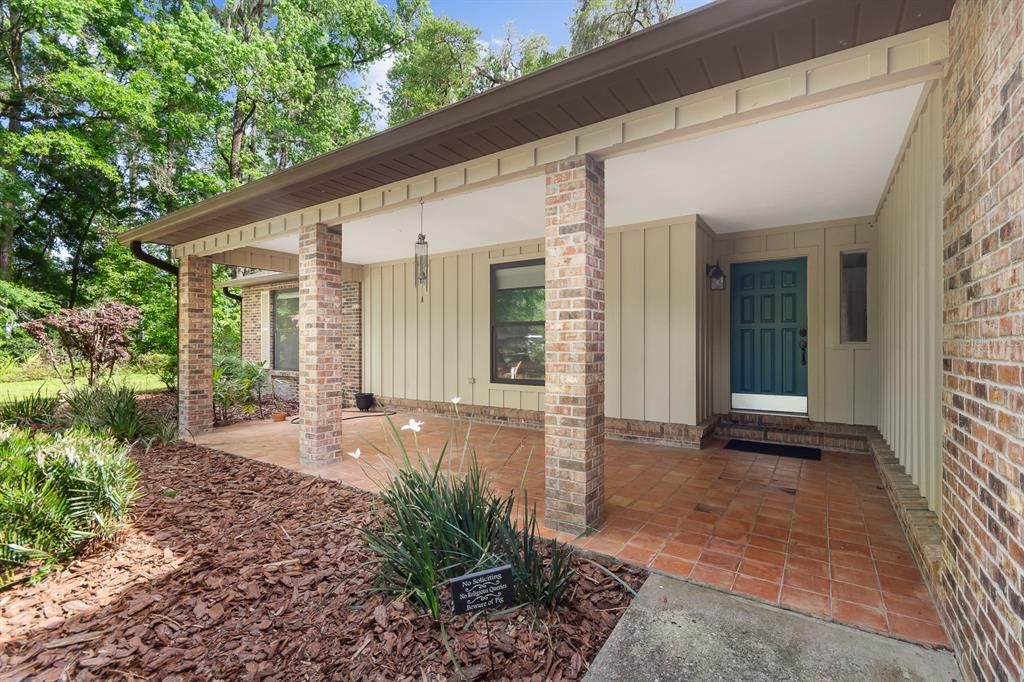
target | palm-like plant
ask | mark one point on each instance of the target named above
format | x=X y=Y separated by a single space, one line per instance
x=57 y=492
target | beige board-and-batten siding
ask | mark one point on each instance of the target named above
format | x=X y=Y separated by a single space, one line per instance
x=842 y=377
x=910 y=331
x=439 y=347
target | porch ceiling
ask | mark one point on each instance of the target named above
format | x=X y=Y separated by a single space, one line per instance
x=824 y=164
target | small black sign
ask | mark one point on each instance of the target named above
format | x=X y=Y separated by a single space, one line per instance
x=488 y=589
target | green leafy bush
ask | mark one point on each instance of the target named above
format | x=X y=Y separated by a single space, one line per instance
x=57 y=492
x=441 y=524
x=114 y=410
x=31 y=410
x=163 y=365
x=238 y=383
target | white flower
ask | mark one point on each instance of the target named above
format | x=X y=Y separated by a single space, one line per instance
x=355 y=455
x=413 y=426
x=456 y=400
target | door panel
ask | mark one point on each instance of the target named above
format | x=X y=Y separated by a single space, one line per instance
x=768 y=326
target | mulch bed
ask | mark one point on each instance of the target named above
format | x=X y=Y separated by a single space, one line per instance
x=166 y=402
x=239 y=569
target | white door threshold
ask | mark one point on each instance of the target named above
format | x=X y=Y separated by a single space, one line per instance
x=782 y=404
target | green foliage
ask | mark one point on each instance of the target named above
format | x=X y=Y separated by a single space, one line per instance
x=27 y=368
x=442 y=524
x=162 y=365
x=113 y=410
x=596 y=22
x=436 y=68
x=31 y=410
x=444 y=62
x=238 y=383
x=57 y=492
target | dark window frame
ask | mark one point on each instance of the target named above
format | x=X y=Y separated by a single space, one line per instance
x=508 y=265
x=273 y=328
x=867 y=340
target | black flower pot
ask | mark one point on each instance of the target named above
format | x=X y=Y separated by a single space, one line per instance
x=365 y=401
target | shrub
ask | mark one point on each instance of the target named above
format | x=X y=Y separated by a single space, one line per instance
x=89 y=341
x=57 y=492
x=163 y=365
x=31 y=410
x=31 y=367
x=114 y=410
x=441 y=525
x=238 y=383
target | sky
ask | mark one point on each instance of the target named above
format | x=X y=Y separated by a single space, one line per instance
x=547 y=17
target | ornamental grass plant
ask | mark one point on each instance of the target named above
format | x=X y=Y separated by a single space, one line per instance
x=443 y=520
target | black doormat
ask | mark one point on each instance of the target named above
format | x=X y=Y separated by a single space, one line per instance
x=778 y=449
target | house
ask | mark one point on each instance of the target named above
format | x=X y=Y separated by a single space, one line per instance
x=786 y=219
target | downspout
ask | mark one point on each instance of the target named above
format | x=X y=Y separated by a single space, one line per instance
x=230 y=294
x=135 y=246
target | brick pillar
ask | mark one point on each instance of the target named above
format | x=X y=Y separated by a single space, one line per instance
x=352 y=340
x=321 y=337
x=983 y=339
x=574 y=344
x=195 y=345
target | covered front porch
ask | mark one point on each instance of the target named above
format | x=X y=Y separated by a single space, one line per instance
x=817 y=537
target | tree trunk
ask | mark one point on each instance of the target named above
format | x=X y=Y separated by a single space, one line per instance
x=237 y=140
x=12 y=112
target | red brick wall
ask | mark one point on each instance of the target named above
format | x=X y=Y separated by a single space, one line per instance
x=983 y=397
x=351 y=341
x=351 y=328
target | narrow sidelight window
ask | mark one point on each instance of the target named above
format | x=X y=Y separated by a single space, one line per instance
x=517 y=323
x=853 y=298
x=286 y=329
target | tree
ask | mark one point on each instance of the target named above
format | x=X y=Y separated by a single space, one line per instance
x=445 y=62
x=115 y=112
x=66 y=84
x=87 y=341
x=596 y=22
x=288 y=65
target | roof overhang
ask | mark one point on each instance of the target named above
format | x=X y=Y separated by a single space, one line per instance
x=720 y=43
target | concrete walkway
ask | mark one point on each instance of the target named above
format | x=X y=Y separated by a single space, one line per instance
x=679 y=631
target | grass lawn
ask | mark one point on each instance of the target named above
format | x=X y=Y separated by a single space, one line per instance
x=19 y=389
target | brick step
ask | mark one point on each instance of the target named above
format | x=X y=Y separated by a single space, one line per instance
x=787 y=430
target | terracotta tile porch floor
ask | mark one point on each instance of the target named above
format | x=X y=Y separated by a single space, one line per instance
x=816 y=537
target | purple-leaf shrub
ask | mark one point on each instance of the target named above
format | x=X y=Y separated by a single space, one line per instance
x=87 y=341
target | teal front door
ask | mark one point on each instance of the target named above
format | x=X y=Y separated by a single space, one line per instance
x=769 y=335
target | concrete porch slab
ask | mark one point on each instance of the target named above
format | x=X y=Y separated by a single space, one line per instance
x=675 y=630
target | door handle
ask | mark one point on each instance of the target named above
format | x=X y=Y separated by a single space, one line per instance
x=803 y=349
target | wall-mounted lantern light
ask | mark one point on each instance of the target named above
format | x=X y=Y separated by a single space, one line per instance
x=716 y=276
x=422 y=261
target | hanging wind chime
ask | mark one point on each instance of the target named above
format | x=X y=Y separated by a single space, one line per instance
x=422 y=261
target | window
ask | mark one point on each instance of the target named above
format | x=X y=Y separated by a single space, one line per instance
x=286 y=329
x=853 y=298
x=517 y=323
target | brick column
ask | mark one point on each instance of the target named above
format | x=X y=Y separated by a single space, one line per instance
x=983 y=339
x=574 y=344
x=321 y=383
x=352 y=341
x=195 y=345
